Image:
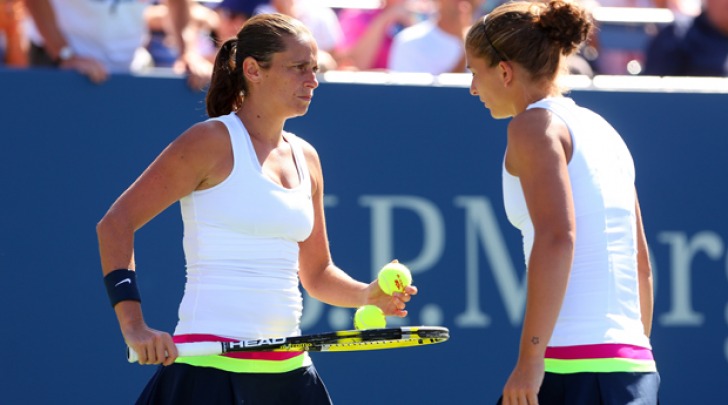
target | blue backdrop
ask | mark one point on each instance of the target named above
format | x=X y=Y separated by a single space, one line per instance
x=412 y=172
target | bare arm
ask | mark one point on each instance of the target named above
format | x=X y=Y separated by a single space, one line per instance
x=644 y=272
x=457 y=22
x=54 y=41
x=190 y=162
x=11 y=24
x=179 y=15
x=364 y=52
x=198 y=68
x=45 y=20
x=325 y=281
x=538 y=153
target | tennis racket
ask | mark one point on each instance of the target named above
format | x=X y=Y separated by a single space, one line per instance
x=339 y=341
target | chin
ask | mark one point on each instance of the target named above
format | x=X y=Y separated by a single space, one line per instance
x=298 y=109
x=299 y=112
x=498 y=115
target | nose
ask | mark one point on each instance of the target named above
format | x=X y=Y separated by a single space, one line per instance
x=312 y=82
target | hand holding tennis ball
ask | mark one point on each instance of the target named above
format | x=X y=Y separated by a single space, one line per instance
x=394 y=277
x=369 y=317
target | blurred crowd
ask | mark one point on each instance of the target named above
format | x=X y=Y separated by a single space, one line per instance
x=100 y=37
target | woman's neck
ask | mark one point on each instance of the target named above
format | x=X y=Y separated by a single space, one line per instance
x=261 y=124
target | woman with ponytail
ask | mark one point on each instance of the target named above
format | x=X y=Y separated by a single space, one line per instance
x=251 y=196
x=568 y=186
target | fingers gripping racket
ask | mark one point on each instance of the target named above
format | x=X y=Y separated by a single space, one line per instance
x=339 y=341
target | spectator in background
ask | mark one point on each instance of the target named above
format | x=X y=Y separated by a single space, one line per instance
x=616 y=61
x=322 y=21
x=368 y=34
x=161 y=44
x=692 y=46
x=686 y=7
x=233 y=14
x=99 y=37
x=623 y=3
x=14 y=51
x=435 y=45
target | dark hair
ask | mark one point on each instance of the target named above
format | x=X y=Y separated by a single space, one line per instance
x=536 y=35
x=259 y=38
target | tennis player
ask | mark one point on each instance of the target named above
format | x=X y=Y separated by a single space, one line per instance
x=251 y=196
x=568 y=185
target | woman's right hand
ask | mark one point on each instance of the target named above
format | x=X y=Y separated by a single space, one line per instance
x=152 y=346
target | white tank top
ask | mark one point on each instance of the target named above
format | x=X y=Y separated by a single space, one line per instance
x=241 y=247
x=110 y=31
x=602 y=297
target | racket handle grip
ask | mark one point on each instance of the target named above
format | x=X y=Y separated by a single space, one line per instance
x=185 y=350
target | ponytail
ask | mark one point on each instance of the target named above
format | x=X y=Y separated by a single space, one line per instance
x=227 y=86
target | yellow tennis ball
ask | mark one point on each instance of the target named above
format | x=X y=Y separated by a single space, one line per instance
x=394 y=277
x=369 y=317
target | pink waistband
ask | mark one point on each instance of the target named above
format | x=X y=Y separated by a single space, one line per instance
x=201 y=337
x=599 y=351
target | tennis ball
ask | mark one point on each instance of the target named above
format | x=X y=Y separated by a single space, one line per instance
x=393 y=277
x=369 y=317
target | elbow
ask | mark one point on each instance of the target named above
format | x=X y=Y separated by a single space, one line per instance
x=644 y=269
x=560 y=241
x=565 y=243
x=558 y=247
x=305 y=283
x=111 y=224
x=566 y=238
x=311 y=288
x=105 y=224
x=317 y=277
x=308 y=282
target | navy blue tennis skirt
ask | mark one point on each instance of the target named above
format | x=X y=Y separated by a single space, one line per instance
x=599 y=389
x=182 y=384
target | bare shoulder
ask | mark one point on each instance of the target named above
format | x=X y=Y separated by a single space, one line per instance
x=309 y=151
x=530 y=122
x=537 y=124
x=205 y=134
x=535 y=135
x=203 y=152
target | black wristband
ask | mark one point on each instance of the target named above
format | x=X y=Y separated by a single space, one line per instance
x=121 y=285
